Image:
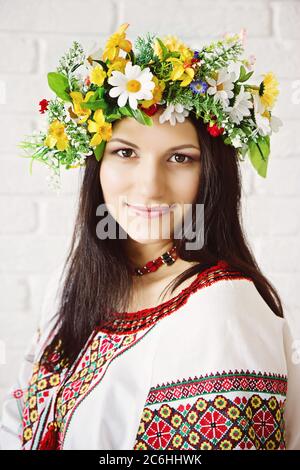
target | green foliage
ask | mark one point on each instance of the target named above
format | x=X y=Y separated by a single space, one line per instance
x=99 y=151
x=59 y=84
x=144 y=49
x=259 y=154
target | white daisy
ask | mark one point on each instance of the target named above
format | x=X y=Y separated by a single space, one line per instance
x=241 y=106
x=262 y=122
x=222 y=87
x=174 y=113
x=135 y=84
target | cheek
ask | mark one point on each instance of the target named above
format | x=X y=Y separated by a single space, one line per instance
x=112 y=182
x=187 y=185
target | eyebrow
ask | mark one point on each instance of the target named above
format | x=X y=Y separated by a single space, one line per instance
x=184 y=146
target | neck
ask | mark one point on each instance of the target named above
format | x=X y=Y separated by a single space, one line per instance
x=139 y=254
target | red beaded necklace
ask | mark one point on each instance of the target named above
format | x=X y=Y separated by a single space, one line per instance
x=169 y=257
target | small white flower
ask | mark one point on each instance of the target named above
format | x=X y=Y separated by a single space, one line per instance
x=275 y=123
x=241 y=106
x=236 y=141
x=263 y=125
x=221 y=88
x=234 y=67
x=135 y=84
x=174 y=113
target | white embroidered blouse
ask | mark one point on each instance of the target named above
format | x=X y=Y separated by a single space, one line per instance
x=212 y=368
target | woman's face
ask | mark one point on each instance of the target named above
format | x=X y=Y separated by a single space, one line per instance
x=149 y=171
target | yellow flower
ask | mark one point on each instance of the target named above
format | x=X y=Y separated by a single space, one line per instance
x=116 y=42
x=76 y=166
x=181 y=72
x=42 y=384
x=182 y=66
x=33 y=416
x=157 y=93
x=57 y=136
x=54 y=380
x=97 y=75
x=173 y=44
x=27 y=434
x=118 y=64
x=268 y=90
x=77 y=101
x=102 y=129
x=32 y=402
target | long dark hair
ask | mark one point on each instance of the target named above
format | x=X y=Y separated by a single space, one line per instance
x=97 y=278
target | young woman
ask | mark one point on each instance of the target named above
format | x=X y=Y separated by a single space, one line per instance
x=205 y=369
x=113 y=365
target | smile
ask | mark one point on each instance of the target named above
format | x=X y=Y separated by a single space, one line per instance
x=149 y=213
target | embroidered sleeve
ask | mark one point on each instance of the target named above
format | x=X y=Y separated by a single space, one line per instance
x=220 y=411
x=11 y=421
x=292 y=408
x=239 y=402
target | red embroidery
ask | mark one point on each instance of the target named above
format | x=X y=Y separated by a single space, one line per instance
x=18 y=393
x=235 y=410
x=71 y=386
x=132 y=322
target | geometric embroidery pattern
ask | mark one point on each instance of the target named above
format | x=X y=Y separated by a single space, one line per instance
x=35 y=398
x=65 y=387
x=235 y=410
x=71 y=387
x=102 y=351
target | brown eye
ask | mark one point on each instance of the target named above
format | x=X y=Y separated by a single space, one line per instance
x=181 y=157
x=122 y=150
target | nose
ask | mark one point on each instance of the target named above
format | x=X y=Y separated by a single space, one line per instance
x=151 y=178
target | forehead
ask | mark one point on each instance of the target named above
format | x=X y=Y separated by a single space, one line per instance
x=129 y=128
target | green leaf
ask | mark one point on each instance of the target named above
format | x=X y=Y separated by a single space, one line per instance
x=141 y=117
x=100 y=91
x=112 y=117
x=93 y=105
x=259 y=154
x=99 y=150
x=172 y=54
x=244 y=76
x=125 y=111
x=59 y=84
x=131 y=56
x=165 y=51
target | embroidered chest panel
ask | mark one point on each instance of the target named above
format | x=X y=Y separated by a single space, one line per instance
x=234 y=410
x=53 y=396
x=68 y=388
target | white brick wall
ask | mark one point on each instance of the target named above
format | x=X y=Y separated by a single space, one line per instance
x=36 y=224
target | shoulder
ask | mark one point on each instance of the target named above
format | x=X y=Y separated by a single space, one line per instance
x=235 y=300
x=235 y=328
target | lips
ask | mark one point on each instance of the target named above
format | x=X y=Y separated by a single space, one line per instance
x=150 y=209
x=150 y=212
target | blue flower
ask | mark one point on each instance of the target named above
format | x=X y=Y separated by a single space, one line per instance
x=199 y=87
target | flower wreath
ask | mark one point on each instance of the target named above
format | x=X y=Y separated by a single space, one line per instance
x=211 y=82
